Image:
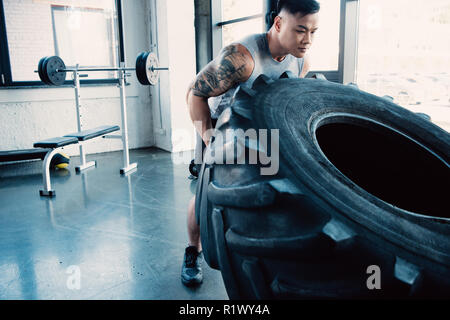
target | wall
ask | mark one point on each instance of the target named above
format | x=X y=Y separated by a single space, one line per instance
x=31 y=114
x=203 y=33
x=182 y=61
x=36 y=38
x=176 y=46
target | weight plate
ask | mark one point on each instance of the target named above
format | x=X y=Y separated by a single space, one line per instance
x=152 y=62
x=41 y=70
x=140 y=68
x=44 y=73
x=50 y=65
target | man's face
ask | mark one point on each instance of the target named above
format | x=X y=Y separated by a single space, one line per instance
x=296 y=32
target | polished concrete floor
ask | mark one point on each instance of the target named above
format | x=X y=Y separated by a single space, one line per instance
x=103 y=236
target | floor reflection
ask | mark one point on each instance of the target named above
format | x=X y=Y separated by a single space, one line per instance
x=126 y=234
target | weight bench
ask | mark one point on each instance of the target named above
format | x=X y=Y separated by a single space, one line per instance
x=20 y=155
x=53 y=144
x=88 y=135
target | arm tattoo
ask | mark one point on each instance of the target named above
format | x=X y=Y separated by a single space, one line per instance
x=221 y=75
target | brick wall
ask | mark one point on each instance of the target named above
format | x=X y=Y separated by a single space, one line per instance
x=30 y=36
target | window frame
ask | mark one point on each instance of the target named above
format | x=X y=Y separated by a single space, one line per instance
x=5 y=63
x=217 y=23
x=348 y=34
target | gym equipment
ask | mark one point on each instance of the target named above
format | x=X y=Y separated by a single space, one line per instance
x=93 y=133
x=196 y=163
x=53 y=144
x=147 y=70
x=87 y=135
x=48 y=70
x=20 y=155
x=319 y=76
x=60 y=160
x=52 y=70
x=194 y=169
x=362 y=182
x=424 y=115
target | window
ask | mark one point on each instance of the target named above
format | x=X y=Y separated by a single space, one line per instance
x=403 y=52
x=235 y=19
x=235 y=9
x=236 y=31
x=81 y=32
x=324 y=51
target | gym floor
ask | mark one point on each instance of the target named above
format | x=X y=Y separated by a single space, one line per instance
x=125 y=235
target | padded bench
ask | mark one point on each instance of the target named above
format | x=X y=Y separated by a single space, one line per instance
x=57 y=142
x=53 y=144
x=19 y=155
x=85 y=135
x=93 y=133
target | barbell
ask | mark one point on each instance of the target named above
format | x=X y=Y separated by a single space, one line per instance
x=52 y=70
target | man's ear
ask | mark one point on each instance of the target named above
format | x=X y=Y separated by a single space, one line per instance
x=277 y=23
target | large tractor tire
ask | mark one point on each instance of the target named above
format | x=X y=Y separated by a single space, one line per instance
x=358 y=209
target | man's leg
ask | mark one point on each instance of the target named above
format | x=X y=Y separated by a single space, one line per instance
x=191 y=272
x=193 y=227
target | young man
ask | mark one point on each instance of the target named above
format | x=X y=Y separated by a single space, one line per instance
x=281 y=49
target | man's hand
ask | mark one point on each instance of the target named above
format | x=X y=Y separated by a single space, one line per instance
x=233 y=65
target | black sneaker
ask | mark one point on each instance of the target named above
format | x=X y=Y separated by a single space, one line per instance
x=191 y=272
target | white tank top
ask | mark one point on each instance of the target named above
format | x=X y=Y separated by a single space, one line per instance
x=258 y=47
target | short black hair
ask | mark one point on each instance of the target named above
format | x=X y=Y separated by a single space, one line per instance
x=294 y=6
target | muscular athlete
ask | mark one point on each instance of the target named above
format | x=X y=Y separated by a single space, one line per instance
x=291 y=34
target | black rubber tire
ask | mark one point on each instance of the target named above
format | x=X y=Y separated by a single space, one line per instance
x=310 y=231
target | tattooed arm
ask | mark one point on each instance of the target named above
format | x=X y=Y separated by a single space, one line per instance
x=233 y=65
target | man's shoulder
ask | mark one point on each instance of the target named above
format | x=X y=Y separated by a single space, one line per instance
x=249 y=44
x=251 y=39
x=246 y=45
x=253 y=36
